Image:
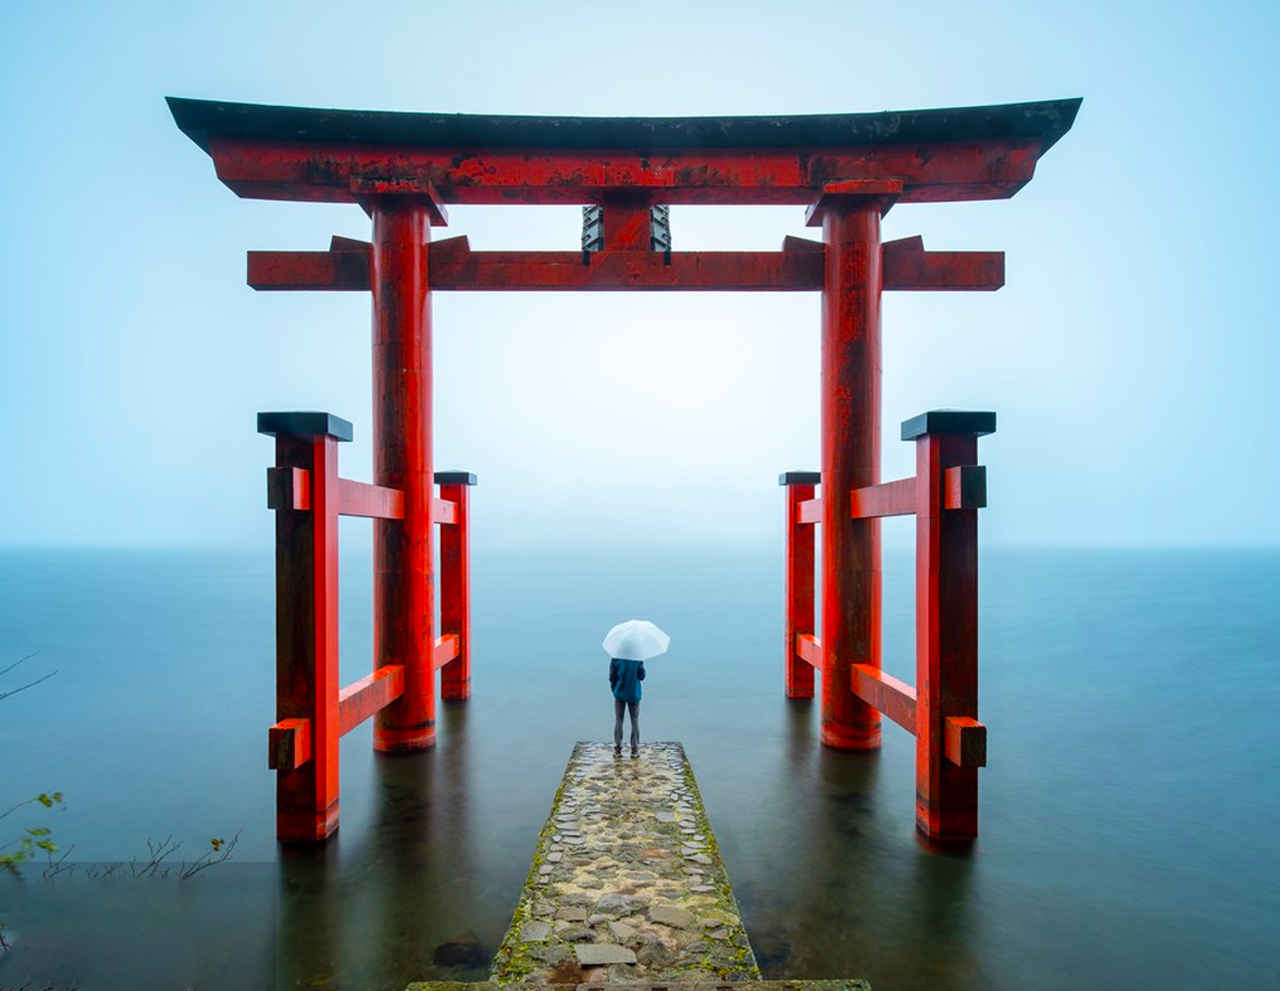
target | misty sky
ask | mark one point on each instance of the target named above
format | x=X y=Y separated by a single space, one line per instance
x=1132 y=356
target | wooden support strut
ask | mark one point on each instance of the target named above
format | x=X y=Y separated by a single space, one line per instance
x=950 y=742
x=809 y=649
x=312 y=712
x=896 y=498
x=303 y=745
x=944 y=494
x=455 y=585
x=361 y=699
x=798 y=663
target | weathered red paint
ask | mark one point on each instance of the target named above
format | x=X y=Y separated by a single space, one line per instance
x=908 y=266
x=626 y=220
x=455 y=590
x=946 y=641
x=809 y=649
x=307 y=644
x=851 y=360
x=321 y=172
x=799 y=592
x=455 y=267
x=361 y=699
x=885 y=191
x=896 y=699
x=403 y=592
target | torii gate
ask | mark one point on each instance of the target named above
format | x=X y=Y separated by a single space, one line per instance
x=847 y=169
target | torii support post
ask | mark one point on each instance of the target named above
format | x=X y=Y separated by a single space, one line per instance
x=403 y=584
x=455 y=582
x=799 y=581
x=950 y=742
x=303 y=489
x=849 y=213
x=941 y=710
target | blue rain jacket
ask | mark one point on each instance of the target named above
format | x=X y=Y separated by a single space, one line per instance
x=625 y=678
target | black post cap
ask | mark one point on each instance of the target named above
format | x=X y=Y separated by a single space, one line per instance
x=455 y=478
x=304 y=423
x=949 y=421
x=800 y=478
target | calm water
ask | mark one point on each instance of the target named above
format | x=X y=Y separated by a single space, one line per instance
x=1129 y=818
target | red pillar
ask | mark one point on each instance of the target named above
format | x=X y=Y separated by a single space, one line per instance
x=947 y=621
x=303 y=489
x=455 y=582
x=799 y=582
x=403 y=593
x=851 y=362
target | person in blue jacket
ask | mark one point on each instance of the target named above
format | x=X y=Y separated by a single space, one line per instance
x=624 y=678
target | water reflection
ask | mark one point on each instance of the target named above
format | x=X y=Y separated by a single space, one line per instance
x=361 y=913
x=939 y=905
x=1090 y=869
x=308 y=919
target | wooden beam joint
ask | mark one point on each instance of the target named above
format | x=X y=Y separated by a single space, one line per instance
x=373 y=501
x=896 y=498
x=446 y=649
x=905 y=265
x=416 y=188
x=361 y=699
x=289 y=744
x=896 y=699
x=966 y=741
x=444 y=511
x=966 y=487
x=809 y=649
x=288 y=488
x=809 y=511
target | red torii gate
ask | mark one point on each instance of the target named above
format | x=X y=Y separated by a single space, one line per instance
x=848 y=169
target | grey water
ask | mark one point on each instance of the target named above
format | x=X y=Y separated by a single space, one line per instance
x=1129 y=813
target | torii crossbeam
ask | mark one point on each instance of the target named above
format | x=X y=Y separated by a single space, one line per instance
x=404 y=169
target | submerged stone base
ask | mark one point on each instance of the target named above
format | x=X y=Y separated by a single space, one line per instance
x=626 y=882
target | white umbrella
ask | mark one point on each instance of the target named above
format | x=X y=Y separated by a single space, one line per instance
x=636 y=640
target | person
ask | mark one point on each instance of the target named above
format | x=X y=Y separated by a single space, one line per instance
x=624 y=679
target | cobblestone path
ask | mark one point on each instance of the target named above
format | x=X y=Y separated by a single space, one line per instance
x=626 y=882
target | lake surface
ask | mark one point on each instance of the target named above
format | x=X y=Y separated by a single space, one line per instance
x=1129 y=815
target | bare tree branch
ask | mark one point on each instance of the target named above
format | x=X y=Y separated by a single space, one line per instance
x=29 y=684
x=18 y=661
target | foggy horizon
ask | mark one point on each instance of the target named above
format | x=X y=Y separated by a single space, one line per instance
x=1128 y=357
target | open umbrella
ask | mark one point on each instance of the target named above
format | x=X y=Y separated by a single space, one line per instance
x=636 y=640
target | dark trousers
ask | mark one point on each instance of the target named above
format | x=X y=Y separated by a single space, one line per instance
x=618 y=709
